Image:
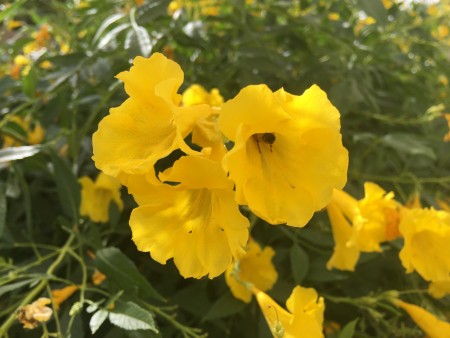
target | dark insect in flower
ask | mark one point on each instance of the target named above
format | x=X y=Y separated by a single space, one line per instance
x=268 y=138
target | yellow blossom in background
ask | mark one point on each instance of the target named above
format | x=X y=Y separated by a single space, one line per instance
x=443 y=80
x=150 y=124
x=441 y=32
x=288 y=154
x=303 y=318
x=439 y=289
x=173 y=7
x=388 y=3
x=426 y=248
x=13 y=24
x=334 y=16
x=96 y=196
x=196 y=94
x=428 y=323
x=40 y=40
x=363 y=23
x=37 y=312
x=447 y=136
x=255 y=268
x=197 y=222
x=98 y=277
x=46 y=64
x=443 y=204
x=17 y=66
x=34 y=135
x=61 y=295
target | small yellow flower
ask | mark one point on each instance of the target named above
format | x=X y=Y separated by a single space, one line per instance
x=37 y=312
x=35 y=134
x=304 y=315
x=255 y=268
x=334 y=16
x=96 y=197
x=173 y=7
x=441 y=32
x=363 y=23
x=447 y=136
x=443 y=80
x=61 y=295
x=196 y=94
x=430 y=325
x=288 y=153
x=150 y=124
x=387 y=3
x=98 y=277
x=197 y=222
x=13 y=24
x=426 y=233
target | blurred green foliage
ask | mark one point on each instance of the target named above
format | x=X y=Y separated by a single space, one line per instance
x=384 y=64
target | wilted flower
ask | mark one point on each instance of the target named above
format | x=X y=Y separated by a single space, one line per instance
x=304 y=315
x=255 y=268
x=288 y=153
x=196 y=222
x=430 y=325
x=427 y=236
x=96 y=196
x=37 y=312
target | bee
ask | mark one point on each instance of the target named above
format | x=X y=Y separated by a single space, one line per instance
x=268 y=138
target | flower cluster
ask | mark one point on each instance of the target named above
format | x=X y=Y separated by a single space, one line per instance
x=362 y=225
x=285 y=160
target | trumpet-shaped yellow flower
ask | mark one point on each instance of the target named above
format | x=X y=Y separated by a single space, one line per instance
x=361 y=225
x=34 y=135
x=197 y=222
x=430 y=325
x=149 y=125
x=304 y=317
x=61 y=295
x=96 y=197
x=255 y=268
x=427 y=237
x=288 y=153
x=197 y=94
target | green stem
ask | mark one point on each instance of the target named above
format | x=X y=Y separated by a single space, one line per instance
x=39 y=288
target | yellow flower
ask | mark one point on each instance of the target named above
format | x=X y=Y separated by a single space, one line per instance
x=441 y=32
x=173 y=7
x=34 y=135
x=363 y=23
x=426 y=250
x=149 y=125
x=196 y=94
x=37 y=312
x=13 y=24
x=16 y=67
x=439 y=289
x=304 y=317
x=288 y=153
x=61 y=295
x=334 y=16
x=96 y=197
x=443 y=80
x=345 y=256
x=430 y=325
x=255 y=268
x=387 y=3
x=197 y=222
x=98 y=277
x=46 y=64
x=447 y=136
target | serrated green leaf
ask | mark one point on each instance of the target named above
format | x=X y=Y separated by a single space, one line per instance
x=130 y=316
x=18 y=153
x=121 y=270
x=225 y=306
x=349 y=329
x=299 y=263
x=97 y=320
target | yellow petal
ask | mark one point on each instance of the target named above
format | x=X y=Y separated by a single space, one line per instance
x=433 y=327
x=61 y=295
x=344 y=256
x=439 y=289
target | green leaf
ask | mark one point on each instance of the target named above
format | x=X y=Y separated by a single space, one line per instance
x=3 y=207
x=130 y=316
x=18 y=153
x=120 y=269
x=13 y=286
x=106 y=23
x=349 y=329
x=67 y=187
x=97 y=320
x=29 y=83
x=299 y=263
x=408 y=144
x=11 y=9
x=111 y=35
x=225 y=306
